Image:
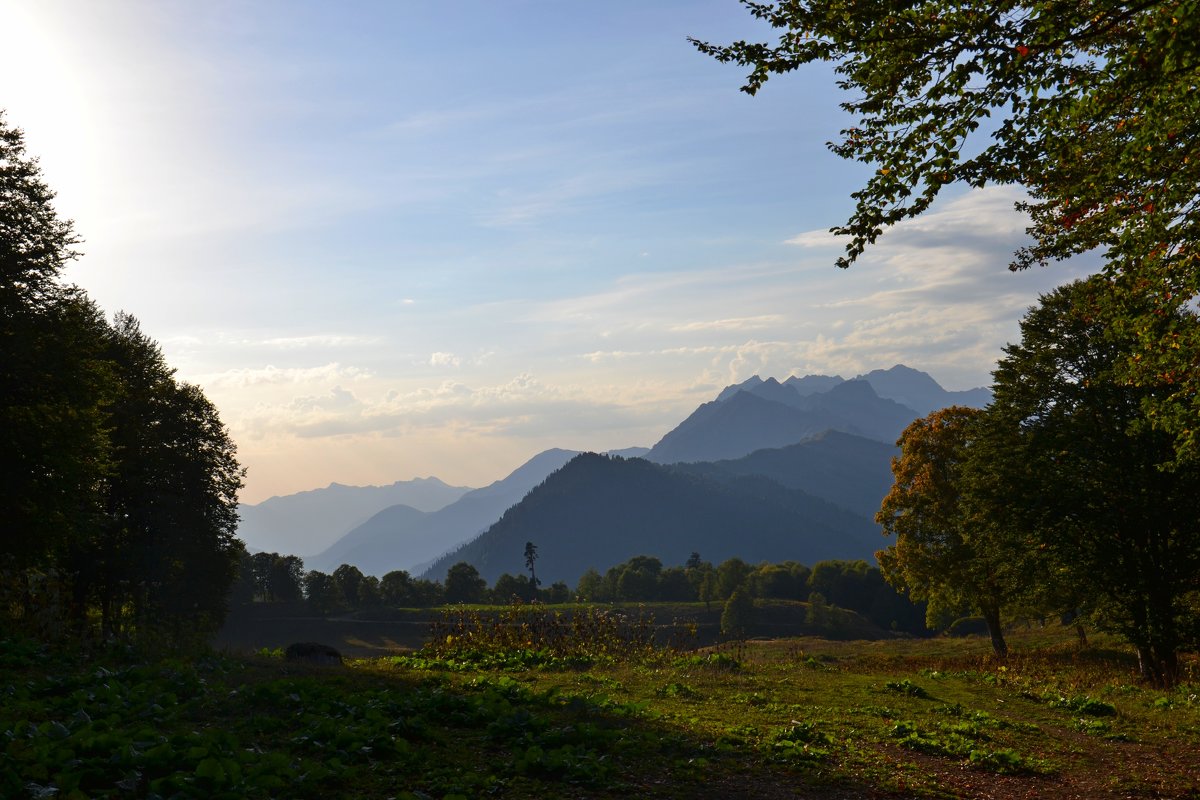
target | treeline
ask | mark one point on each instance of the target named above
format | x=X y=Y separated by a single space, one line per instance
x=851 y=585
x=271 y=577
x=118 y=482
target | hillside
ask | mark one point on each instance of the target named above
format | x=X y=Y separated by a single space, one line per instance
x=850 y=471
x=401 y=537
x=749 y=420
x=597 y=511
x=308 y=522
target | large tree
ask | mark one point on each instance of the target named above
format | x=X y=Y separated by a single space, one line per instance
x=113 y=474
x=1108 y=507
x=1093 y=108
x=166 y=553
x=942 y=555
x=54 y=383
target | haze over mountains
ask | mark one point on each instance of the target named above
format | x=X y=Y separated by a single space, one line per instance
x=597 y=511
x=401 y=537
x=767 y=470
x=308 y=522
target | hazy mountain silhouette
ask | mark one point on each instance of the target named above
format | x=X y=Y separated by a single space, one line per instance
x=308 y=522
x=747 y=421
x=850 y=471
x=401 y=537
x=759 y=413
x=919 y=391
x=814 y=384
x=598 y=511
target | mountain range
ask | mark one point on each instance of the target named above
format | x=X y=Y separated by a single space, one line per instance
x=308 y=522
x=402 y=537
x=808 y=455
x=598 y=511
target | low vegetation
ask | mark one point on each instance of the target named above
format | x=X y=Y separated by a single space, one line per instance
x=535 y=702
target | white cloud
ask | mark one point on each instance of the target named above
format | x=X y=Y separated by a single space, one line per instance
x=734 y=324
x=816 y=239
x=328 y=340
x=272 y=375
x=444 y=360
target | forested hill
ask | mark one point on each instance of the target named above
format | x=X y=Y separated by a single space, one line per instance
x=598 y=511
x=850 y=471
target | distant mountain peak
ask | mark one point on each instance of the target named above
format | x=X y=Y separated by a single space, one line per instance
x=758 y=412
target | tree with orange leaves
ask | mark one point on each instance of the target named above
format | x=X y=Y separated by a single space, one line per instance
x=939 y=555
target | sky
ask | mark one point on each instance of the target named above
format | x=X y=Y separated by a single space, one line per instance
x=402 y=239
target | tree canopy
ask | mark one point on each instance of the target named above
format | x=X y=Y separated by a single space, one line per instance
x=939 y=555
x=1109 y=510
x=115 y=476
x=1093 y=108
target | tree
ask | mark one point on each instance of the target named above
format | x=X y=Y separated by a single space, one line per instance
x=1092 y=107
x=286 y=578
x=348 y=578
x=1108 y=507
x=591 y=588
x=738 y=614
x=673 y=585
x=464 y=585
x=638 y=579
x=510 y=588
x=531 y=556
x=369 y=595
x=786 y=581
x=396 y=588
x=937 y=555
x=166 y=552
x=321 y=592
x=731 y=576
x=558 y=593
x=710 y=589
x=54 y=380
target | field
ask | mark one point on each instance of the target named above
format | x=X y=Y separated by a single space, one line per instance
x=600 y=714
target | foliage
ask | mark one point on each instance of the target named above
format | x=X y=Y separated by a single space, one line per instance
x=1093 y=108
x=1104 y=504
x=670 y=726
x=938 y=555
x=582 y=635
x=277 y=578
x=464 y=584
x=114 y=475
x=738 y=615
x=321 y=592
x=1096 y=105
x=531 y=556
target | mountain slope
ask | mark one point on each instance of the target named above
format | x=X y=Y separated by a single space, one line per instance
x=598 y=511
x=403 y=538
x=734 y=427
x=850 y=471
x=758 y=413
x=746 y=422
x=308 y=522
x=919 y=391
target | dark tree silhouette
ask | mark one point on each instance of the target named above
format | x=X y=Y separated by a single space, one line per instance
x=531 y=556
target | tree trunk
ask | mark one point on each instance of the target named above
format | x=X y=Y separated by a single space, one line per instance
x=1079 y=629
x=991 y=615
x=1158 y=668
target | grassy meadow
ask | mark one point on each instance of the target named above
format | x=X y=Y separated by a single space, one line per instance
x=531 y=706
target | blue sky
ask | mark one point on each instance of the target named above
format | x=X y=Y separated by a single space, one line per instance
x=395 y=239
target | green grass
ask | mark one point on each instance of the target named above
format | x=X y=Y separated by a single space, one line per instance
x=936 y=718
